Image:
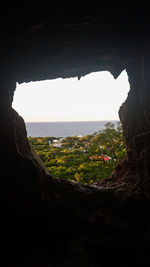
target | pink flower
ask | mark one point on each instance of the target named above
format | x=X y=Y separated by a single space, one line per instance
x=106 y=158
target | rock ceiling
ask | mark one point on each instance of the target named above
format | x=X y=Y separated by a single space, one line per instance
x=41 y=42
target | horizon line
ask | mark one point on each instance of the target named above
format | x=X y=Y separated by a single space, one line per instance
x=72 y=121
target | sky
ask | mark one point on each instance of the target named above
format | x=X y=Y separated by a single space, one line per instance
x=96 y=96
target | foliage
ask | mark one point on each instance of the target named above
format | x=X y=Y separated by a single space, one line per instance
x=86 y=159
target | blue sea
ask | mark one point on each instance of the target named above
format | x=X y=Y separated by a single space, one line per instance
x=64 y=129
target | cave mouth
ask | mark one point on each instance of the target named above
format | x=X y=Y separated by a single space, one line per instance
x=95 y=97
x=72 y=103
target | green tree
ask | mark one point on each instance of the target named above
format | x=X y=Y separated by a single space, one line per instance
x=109 y=141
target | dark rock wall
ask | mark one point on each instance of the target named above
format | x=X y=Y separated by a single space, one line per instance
x=134 y=115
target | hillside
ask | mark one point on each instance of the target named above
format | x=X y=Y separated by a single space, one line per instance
x=84 y=159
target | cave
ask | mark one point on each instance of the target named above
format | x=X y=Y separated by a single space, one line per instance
x=51 y=222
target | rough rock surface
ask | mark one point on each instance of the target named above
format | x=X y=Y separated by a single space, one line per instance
x=51 y=222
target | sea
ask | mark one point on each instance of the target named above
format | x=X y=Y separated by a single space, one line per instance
x=64 y=129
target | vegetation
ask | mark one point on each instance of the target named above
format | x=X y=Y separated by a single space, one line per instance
x=86 y=159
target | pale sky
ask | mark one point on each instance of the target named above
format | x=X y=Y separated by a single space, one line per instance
x=96 y=96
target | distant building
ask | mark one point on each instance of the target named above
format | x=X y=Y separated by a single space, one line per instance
x=79 y=136
x=57 y=143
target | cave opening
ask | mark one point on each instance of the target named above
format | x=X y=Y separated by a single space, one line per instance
x=65 y=119
x=96 y=96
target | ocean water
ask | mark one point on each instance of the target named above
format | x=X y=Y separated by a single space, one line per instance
x=64 y=129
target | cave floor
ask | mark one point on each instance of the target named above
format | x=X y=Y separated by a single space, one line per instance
x=108 y=222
